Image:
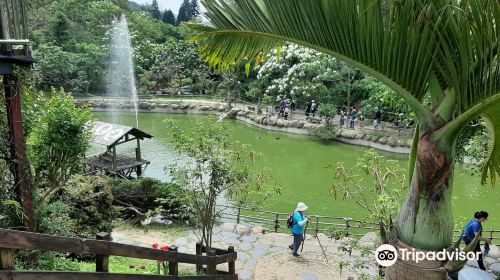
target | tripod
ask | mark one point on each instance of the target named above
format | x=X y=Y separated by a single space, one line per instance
x=317 y=238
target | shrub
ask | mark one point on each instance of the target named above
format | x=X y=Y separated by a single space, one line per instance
x=90 y=205
x=148 y=194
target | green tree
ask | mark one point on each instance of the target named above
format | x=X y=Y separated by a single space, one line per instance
x=444 y=49
x=58 y=140
x=156 y=10
x=188 y=11
x=169 y=17
x=214 y=166
x=61 y=29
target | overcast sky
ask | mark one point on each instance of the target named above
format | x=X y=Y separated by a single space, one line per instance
x=164 y=4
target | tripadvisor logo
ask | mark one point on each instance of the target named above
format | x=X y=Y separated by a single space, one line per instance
x=387 y=255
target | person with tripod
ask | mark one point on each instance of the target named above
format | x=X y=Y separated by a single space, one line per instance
x=298 y=222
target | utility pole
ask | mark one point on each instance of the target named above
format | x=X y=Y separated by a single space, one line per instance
x=15 y=52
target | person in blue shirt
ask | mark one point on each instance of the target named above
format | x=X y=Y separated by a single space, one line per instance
x=299 y=224
x=474 y=228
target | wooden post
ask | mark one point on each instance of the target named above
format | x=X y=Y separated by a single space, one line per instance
x=212 y=266
x=6 y=259
x=17 y=141
x=138 y=150
x=231 y=264
x=173 y=267
x=114 y=159
x=199 y=250
x=347 y=226
x=317 y=225
x=102 y=261
x=238 y=217
x=277 y=222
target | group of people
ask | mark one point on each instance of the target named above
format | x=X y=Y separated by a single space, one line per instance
x=286 y=107
x=472 y=231
x=351 y=117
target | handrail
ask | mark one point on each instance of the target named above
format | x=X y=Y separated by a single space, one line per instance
x=12 y=239
x=278 y=219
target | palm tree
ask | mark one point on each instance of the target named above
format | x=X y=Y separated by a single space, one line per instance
x=446 y=50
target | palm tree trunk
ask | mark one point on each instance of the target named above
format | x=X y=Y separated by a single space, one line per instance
x=425 y=222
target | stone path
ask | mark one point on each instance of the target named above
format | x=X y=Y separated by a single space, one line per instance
x=263 y=256
x=267 y=256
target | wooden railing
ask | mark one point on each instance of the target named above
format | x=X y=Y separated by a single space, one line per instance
x=276 y=221
x=11 y=240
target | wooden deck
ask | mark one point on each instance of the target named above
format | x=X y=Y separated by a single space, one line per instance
x=125 y=165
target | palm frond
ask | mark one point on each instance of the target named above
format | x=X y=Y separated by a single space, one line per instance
x=492 y=162
x=396 y=48
x=467 y=59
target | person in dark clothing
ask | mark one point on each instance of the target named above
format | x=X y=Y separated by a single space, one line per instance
x=378 y=118
x=314 y=107
x=353 y=118
x=475 y=229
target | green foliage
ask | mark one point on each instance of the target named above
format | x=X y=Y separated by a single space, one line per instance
x=169 y=17
x=61 y=29
x=188 y=11
x=156 y=10
x=147 y=194
x=58 y=139
x=55 y=219
x=327 y=111
x=90 y=200
x=381 y=198
x=476 y=150
x=214 y=166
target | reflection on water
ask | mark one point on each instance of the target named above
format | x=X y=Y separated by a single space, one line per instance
x=298 y=163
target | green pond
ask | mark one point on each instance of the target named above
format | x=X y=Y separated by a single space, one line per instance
x=298 y=163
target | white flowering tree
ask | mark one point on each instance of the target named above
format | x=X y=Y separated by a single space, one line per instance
x=305 y=74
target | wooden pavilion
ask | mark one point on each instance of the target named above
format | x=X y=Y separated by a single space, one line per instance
x=111 y=163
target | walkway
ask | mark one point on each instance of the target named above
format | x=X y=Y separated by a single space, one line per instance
x=267 y=256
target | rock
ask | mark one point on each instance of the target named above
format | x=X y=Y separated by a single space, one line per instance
x=474 y=274
x=258 y=229
x=495 y=268
x=286 y=124
x=294 y=123
x=489 y=261
x=382 y=140
x=183 y=106
x=242 y=256
x=221 y=108
x=241 y=230
x=271 y=121
x=393 y=141
x=175 y=106
x=144 y=106
x=280 y=123
x=349 y=133
x=250 y=264
x=494 y=252
x=204 y=108
x=472 y=263
x=260 y=250
x=300 y=124
x=164 y=105
x=245 y=275
x=245 y=247
x=409 y=142
x=368 y=239
x=249 y=239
